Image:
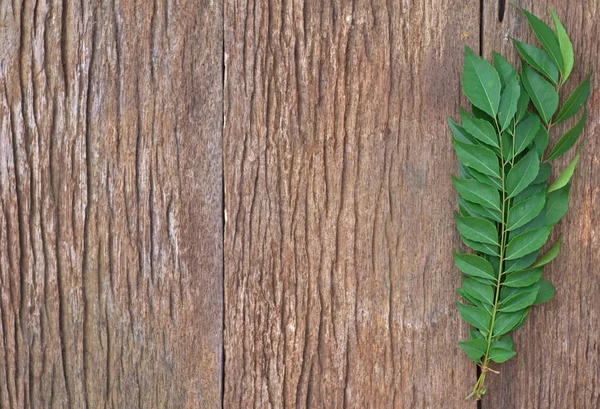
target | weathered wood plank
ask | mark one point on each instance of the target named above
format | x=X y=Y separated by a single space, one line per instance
x=110 y=204
x=557 y=364
x=339 y=284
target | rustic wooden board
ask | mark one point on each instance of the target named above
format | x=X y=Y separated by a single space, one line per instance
x=557 y=364
x=110 y=204
x=339 y=284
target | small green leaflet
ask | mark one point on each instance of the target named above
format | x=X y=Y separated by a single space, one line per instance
x=566 y=48
x=527 y=242
x=480 y=129
x=504 y=69
x=549 y=256
x=546 y=291
x=575 y=101
x=478 y=158
x=557 y=204
x=546 y=37
x=522 y=104
x=481 y=83
x=488 y=180
x=479 y=291
x=507 y=321
x=477 y=192
x=476 y=229
x=475 y=348
x=459 y=133
x=489 y=249
x=541 y=141
x=542 y=93
x=474 y=265
x=523 y=278
x=526 y=210
x=500 y=355
x=519 y=298
x=538 y=59
x=568 y=139
x=525 y=131
x=475 y=316
x=521 y=263
x=522 y=174
x=564 y=177
x=508 y=102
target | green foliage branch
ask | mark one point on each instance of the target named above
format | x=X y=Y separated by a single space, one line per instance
x=507 y=207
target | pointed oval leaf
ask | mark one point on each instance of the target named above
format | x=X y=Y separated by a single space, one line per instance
x=520 y=263
x=538 y=59
x=475 y=348
x=478 y=158
x=475 y=316
x=522 y=174
x=564 y=177
x=500 y=355
x=481 y=83
x=527 y=242
x=545 y=293
x=479 y=291
x=476 y=229
x=508 y=103
x=459 y=133
x=525 y=210
x=541 y=141
x=568 y=139
x=480 y=129
x=522 y=299
x=483 y=248
x=474 y=266
x=488 y=180
x=505 y=70
x=522 y=104
x=566 y=48
x=507 y=321
x=549 y=256
x=557 y=204
x=477 y=192
x=546 y=37
x=523 y=278
x=542 y=93
x=575 y=101
x=526 y=130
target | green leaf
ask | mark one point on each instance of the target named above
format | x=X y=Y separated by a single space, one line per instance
x=501 y=350
x=557 y=204
x=575 y=101
x=476 y=334
x=564 y=177
x=525 y=132
x=542 y=93
x=481 y=83
x=505 y=70
x=568 y=139
x=477 y=192
x=523 y=278
x=474 y=266
x=477 y=290
x=525 y=210
x=545 y=293
x=480 y=129
x=475 y=316
x=530 y=191
x=522 y=174
x=546 y=37
x=538 y=59
x=522 y=104
x=507 y=321
x=566 y=48
x=520 y=263
x=478 y=158
x=543 y=174
x=520 y=299
x=488 y=249
x=541 y=141
x=549 y=256
x=475 y=348
x=488 y=180
x=526 y=242
x=476 y=229
x=459 y=133
x=508 y=102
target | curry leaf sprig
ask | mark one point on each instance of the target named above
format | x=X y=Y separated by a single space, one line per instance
x=507 y=207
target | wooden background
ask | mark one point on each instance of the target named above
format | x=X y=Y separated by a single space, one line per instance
x=247 y=204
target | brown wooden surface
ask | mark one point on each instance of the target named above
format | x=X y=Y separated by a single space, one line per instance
x=110 y=204
x=557 y=364
x=316 y=130
x=339 y=285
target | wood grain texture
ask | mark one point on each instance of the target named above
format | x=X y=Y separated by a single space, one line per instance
x=557 y=364
x=110 y=204
x=339 y=284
